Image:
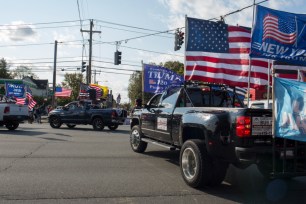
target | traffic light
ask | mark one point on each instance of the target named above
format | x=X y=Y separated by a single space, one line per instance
x=181 y=38
x=83 y=69
x=117 y=57
x=178 y=40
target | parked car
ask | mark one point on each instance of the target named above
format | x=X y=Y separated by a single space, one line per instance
x=11 y=115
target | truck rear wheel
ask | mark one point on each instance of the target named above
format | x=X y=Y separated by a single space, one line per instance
x=195 y=164
x=98 y=124
x=12 y=126
x=135 y=140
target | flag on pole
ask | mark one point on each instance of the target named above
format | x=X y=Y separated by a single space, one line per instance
x=219 y=53
x=98 y=90
x=84 y=90
x=157 y=78
x=279 y=35
x=31 y=101
x=62 y=92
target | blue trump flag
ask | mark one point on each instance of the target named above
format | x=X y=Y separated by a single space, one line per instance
x=279 y=35
x=157 y=79
x=14 y=90
x=290 y=109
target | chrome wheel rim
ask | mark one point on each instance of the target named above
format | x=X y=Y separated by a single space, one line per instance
x=99 y=124
x=135 y=139
x=189 y=163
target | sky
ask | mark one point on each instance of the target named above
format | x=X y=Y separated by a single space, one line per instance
x=29 y=29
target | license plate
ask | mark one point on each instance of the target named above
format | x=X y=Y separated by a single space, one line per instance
x=262 y=121
x=261 y=125
x=289 y=153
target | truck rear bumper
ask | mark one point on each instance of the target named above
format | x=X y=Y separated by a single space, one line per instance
x=15 y=118
x=251 y=154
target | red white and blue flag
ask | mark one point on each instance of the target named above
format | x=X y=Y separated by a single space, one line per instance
x=31 y=101
x=62 y=92
x=279 y=29
x=219 y=53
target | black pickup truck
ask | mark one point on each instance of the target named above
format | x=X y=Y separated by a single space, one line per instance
x=212 y=129
x=85 y=113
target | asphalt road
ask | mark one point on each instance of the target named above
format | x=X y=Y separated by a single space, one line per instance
x=39 y=164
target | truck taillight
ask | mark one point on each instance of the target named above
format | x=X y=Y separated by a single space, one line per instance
x=243 y=126
x=114 y=114
x=7 y=109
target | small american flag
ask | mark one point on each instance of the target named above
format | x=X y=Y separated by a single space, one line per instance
x=279 y=29
x=21 y=101
x=32 y=102
x=98 y=90
x=62 y=92
x=151 y=81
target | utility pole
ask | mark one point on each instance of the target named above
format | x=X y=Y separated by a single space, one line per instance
x=88 y=71
x=54 y=73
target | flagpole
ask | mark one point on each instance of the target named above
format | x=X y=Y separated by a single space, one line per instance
x=142 y=80
x=273 y=117
x=185 y=47
x=250 y=60
x=268 y=86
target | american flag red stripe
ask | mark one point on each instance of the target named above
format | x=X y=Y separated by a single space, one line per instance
x=20 y=101
x=271 y=30
x=228 y=68
x=98 y=90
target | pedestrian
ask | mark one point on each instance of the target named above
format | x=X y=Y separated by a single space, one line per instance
x=138 y=105
x=37 y=114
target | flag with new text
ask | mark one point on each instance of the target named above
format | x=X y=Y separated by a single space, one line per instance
x=157 y=78
x=219 y=53
x=290 y=109
x=279 y=35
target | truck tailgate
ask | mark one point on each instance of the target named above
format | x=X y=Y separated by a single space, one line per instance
x=261 y=122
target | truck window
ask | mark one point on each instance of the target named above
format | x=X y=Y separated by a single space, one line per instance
x=169 y=97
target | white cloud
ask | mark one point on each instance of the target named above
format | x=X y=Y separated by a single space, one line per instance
x=18 y=31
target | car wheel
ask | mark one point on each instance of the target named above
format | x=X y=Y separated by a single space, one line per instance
x=98 y=124
x=195 y=164
x=135 y=140
x=70 y=125
x=113 y=127
x=55 y=122
x=12 y=126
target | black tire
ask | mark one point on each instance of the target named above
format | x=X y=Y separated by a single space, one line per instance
x=70 y=125
x=113 y=127
x=12 y=126
x=98 y=124
x=195 y=164
x=55 y=122
x=135 y=140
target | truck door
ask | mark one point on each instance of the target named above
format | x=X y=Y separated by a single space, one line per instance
x=148 y=117
x=164 y=114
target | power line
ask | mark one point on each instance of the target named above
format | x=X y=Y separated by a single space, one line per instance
x=133 y=65
x=45 y=23
x=113 y=68
x=124 y=25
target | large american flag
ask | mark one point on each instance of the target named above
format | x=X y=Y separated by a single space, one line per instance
x=279 y=29
x=219 y=53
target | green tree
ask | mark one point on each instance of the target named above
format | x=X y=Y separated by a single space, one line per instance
x=23 y=71
x=72 y=81
x=175 y=66
x=4 y=72
x=135 y=82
